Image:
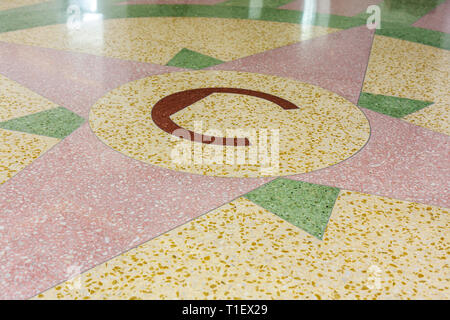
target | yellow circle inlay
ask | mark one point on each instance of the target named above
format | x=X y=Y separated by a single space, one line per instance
x=324 y=130
x=159 y=39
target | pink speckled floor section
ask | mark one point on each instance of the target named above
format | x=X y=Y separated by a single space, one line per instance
x=347 y=8
x=436 y=19
x=73 y=80
x=401 y=161
x=336 y=61
x=82 y=203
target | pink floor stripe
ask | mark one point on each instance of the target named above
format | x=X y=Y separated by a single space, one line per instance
x=347 y=8
x=73 y=80
x=437 y=19
x=82 y=203
x=336 y=62
x=203 y=2
x=401 y=161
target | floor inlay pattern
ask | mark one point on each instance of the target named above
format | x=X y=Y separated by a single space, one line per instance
x=373 y=248
x=324 y=128
x=224 y=149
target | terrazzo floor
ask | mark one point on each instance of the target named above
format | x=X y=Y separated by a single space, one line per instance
x=176 y=149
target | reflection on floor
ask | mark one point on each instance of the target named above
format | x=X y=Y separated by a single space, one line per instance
x=218 y=149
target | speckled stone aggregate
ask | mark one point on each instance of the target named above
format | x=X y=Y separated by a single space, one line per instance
x=338 y=7
x=205 y=2
x=324 y=130
x=84 y=203
x=305 y=205
x=17 y=100
x=374 y=248
x=72 y=80
x=410 y=70
x=391 y=106
x=404 y=12
x=158 y=39
x=17 y=150
x=12 y=4
x=56 y=123
x=68 y=206
x=192 y=60
x=336 y=62
x=401 y=161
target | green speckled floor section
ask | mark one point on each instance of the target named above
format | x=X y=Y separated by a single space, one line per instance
x=397 y=16
x=55 y=123
x=305 y=205
x=391 y=106
x=192 y=60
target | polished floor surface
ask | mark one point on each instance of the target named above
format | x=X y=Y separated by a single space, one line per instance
x=211 y=149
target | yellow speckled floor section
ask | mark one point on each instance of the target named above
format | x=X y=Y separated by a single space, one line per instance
x=11 y=4
x=326 y=129
x=17 y=101
x=18 y=149
x=411 y=70
x=373 y=248
x=158 y=39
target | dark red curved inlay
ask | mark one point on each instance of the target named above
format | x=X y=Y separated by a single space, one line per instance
x=175 y=102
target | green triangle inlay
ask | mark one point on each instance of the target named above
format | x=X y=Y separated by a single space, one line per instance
x=404 y=12
x=305 y=205
x=56 y=123
x=391 y=106
x=186 y=58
